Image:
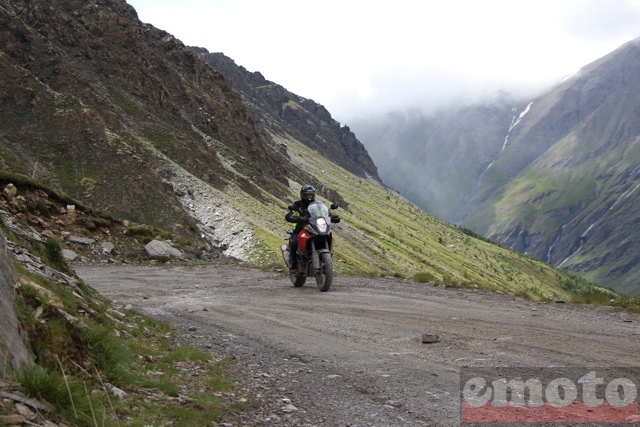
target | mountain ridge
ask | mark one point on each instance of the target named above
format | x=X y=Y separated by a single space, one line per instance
x=302 y=118
x=593 y=132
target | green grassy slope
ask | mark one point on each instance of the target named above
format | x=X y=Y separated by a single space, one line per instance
x=384 y=234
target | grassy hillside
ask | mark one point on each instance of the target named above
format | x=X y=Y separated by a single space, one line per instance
x=384 y=234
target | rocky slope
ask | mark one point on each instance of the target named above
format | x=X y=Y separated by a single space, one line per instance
x=124 y=117
x=286 y=113
x=110 y=110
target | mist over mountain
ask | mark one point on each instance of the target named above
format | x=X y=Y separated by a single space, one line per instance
x=435 y=159
x=555 y=177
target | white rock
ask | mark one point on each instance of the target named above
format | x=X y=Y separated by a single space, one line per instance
x=107 y=247
x=120 y=394
x=157 y=249
x=81 y=240
x=69 y=255
x=289 y=408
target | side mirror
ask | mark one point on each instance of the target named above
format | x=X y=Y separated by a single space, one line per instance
x=334 y=206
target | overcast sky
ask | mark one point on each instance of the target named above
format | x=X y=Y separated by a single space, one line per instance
x=356 y=57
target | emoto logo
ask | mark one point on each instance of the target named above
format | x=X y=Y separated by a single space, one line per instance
x=549 y=395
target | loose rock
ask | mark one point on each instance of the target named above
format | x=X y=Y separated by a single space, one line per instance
x=430 y=338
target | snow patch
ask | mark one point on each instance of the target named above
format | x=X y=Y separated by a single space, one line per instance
x=569 y=76
x=553 y=245
x=483 y=173
x=569 y=257
x=506 y=141
x=524 y=113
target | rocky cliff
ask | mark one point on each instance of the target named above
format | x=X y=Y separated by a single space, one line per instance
x=13 y=349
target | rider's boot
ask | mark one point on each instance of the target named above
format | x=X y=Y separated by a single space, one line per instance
x=293 y=260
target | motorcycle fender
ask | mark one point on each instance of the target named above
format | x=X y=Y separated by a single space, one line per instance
x=316 y=258
x=285 y=255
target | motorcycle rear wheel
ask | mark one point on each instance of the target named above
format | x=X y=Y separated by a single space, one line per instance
x=296 y=280
x=325 y=277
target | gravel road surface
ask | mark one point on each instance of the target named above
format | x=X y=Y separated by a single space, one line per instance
x=354 y=356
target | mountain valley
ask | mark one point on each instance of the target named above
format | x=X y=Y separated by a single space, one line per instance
x=554 y=177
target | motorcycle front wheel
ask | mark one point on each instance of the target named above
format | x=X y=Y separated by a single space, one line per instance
x=325 y=276
x=296 y=280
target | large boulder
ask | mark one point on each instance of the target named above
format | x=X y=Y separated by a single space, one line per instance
x=13 y=350
x=157 y=249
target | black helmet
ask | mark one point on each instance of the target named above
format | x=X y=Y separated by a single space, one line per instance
x=307 y=192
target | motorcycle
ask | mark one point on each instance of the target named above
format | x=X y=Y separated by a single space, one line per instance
x=315 y=248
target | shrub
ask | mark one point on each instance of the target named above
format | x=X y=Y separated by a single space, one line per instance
x=53 y=254
x=447 y=278
x=424 y=277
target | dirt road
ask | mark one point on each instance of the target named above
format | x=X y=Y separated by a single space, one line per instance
x=354 y=356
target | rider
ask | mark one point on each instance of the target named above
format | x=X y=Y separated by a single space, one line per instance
x=299 y=216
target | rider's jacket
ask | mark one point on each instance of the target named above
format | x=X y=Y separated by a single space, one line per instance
x=295 y=215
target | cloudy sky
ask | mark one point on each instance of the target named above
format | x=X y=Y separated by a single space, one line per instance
x=357 y=57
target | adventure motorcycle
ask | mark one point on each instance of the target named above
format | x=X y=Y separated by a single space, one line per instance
x=315 y=247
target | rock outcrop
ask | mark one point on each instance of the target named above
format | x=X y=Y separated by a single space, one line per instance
x=13 y=350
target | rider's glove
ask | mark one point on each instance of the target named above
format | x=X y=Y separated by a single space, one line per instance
x=335 y=219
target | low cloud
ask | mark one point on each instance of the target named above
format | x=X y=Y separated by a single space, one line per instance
x=364 y=57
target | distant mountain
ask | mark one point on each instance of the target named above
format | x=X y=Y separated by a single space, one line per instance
x=436 y=160
x=557 y=177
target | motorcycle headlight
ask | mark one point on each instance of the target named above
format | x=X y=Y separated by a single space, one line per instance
x=322 y=224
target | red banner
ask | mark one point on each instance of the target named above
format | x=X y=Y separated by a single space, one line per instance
x=577 y=412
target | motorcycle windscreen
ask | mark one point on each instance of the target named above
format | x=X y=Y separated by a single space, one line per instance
x=318 y=209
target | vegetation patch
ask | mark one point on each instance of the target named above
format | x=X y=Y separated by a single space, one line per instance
x=266 y=249
x=424 y=278
x=162 y=139
x=127 y=105
x=147 y=233
x=96 y=366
